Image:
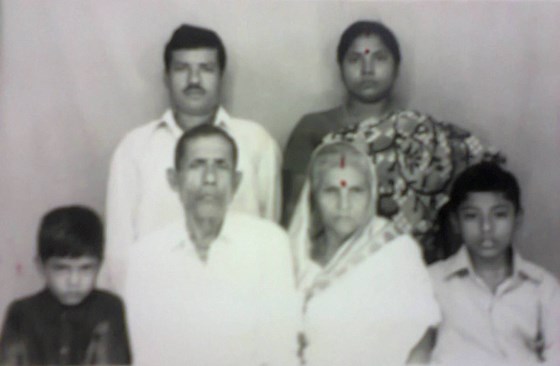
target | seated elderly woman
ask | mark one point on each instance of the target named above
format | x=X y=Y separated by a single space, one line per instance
x=367 y=295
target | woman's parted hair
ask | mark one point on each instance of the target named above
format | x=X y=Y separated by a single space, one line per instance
x=365 y=27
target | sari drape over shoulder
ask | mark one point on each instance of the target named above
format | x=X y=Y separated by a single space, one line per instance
x=372 y=302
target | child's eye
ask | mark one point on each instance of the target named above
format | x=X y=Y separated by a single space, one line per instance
x=501 y=214
x=470 y=215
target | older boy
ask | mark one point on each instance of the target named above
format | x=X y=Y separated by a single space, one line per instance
x=69 y=322
x=498 y=308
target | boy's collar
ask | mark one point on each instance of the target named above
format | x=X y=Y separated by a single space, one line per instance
x=460 y=264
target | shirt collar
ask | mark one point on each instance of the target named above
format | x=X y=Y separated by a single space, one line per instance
x=460 y=264
x=222 y=120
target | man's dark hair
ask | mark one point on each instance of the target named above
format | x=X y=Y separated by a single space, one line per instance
x=70 y=231
x=485 y=177
x=203 y=130
x=368 y=28
x=191 y=37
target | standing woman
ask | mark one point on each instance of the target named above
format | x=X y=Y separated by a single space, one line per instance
x=416 y=157
x=368 y=299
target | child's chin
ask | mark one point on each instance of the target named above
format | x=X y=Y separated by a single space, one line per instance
x=71 y=300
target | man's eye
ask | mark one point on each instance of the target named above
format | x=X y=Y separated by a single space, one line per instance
x=208 y=67
x=222 y=164
x=501 y=214
x=179 y=67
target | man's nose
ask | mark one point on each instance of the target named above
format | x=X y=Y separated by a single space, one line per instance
x=210 y=175
x=194 y=76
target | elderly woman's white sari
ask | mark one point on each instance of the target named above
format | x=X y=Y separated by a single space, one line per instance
x=372 y=302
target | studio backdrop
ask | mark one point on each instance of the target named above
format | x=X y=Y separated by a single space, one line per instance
x=76 y=75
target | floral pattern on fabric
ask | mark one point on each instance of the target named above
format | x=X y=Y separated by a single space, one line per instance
x=416 y=159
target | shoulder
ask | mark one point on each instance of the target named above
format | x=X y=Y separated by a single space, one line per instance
x=28 y=302
x=255 y=225
x=317 y=121
x=545 y=279
x=106 y=299
x=135 y=138
x=158 y=242
x=440 y=269
x=248 y=129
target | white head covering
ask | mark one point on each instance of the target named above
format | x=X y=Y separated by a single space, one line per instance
x=306 y=225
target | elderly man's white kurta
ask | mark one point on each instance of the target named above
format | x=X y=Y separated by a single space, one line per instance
x=238 y=308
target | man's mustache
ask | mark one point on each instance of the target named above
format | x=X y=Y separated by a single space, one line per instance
x=194 y=87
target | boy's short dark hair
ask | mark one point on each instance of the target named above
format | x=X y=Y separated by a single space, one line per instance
x=70 y=231
x=191 y=37
x=203 y=130
x=359 y=28
x=485 y=177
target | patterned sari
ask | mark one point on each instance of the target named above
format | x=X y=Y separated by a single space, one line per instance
x=372 y=301
x=416 y=159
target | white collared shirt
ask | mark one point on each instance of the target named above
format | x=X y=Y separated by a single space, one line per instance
x=140 y=200
x=484 y=328
x=239 y=307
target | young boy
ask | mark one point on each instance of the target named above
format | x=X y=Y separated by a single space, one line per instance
x=69 y=322
x=497 y=308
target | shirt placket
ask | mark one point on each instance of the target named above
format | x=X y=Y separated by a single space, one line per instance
x=65 y=338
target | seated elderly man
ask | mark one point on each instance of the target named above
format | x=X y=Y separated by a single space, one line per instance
x=217 y=287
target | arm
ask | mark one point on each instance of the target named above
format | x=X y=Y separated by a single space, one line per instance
x=296 y=159
x=550 y=325
x=268 y=172
x=421 y=353
x=121 y=205
x=12 y=346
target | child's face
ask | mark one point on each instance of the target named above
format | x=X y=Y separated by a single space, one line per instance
x=487 y=222
x=69 y=279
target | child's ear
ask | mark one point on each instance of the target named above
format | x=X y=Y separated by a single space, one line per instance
x=519 y=218
x=172 y=179
x=454 y=220
x=39 y=265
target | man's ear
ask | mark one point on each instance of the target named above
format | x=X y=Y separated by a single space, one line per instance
x=173 y=179
x=237 y=180
x=166 y=80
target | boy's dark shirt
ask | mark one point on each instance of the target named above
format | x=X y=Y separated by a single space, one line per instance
x=40 y=330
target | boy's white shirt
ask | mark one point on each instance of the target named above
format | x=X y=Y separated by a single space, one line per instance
x=482 y=328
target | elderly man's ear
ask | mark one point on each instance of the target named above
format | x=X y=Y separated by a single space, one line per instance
x=172 y=179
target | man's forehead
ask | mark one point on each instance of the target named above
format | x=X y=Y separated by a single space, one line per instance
x=209 y=147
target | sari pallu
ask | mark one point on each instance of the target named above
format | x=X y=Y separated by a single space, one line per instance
x=371 y=303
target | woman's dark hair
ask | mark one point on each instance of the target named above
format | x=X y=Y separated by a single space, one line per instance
x=369 y=28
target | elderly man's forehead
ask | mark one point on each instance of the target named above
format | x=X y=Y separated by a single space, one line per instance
x=208 y=146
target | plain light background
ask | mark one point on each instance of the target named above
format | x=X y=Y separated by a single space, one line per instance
x=77 y=75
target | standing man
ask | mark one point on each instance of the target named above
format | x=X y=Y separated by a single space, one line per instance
x=214 y=287
x=139 y=199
